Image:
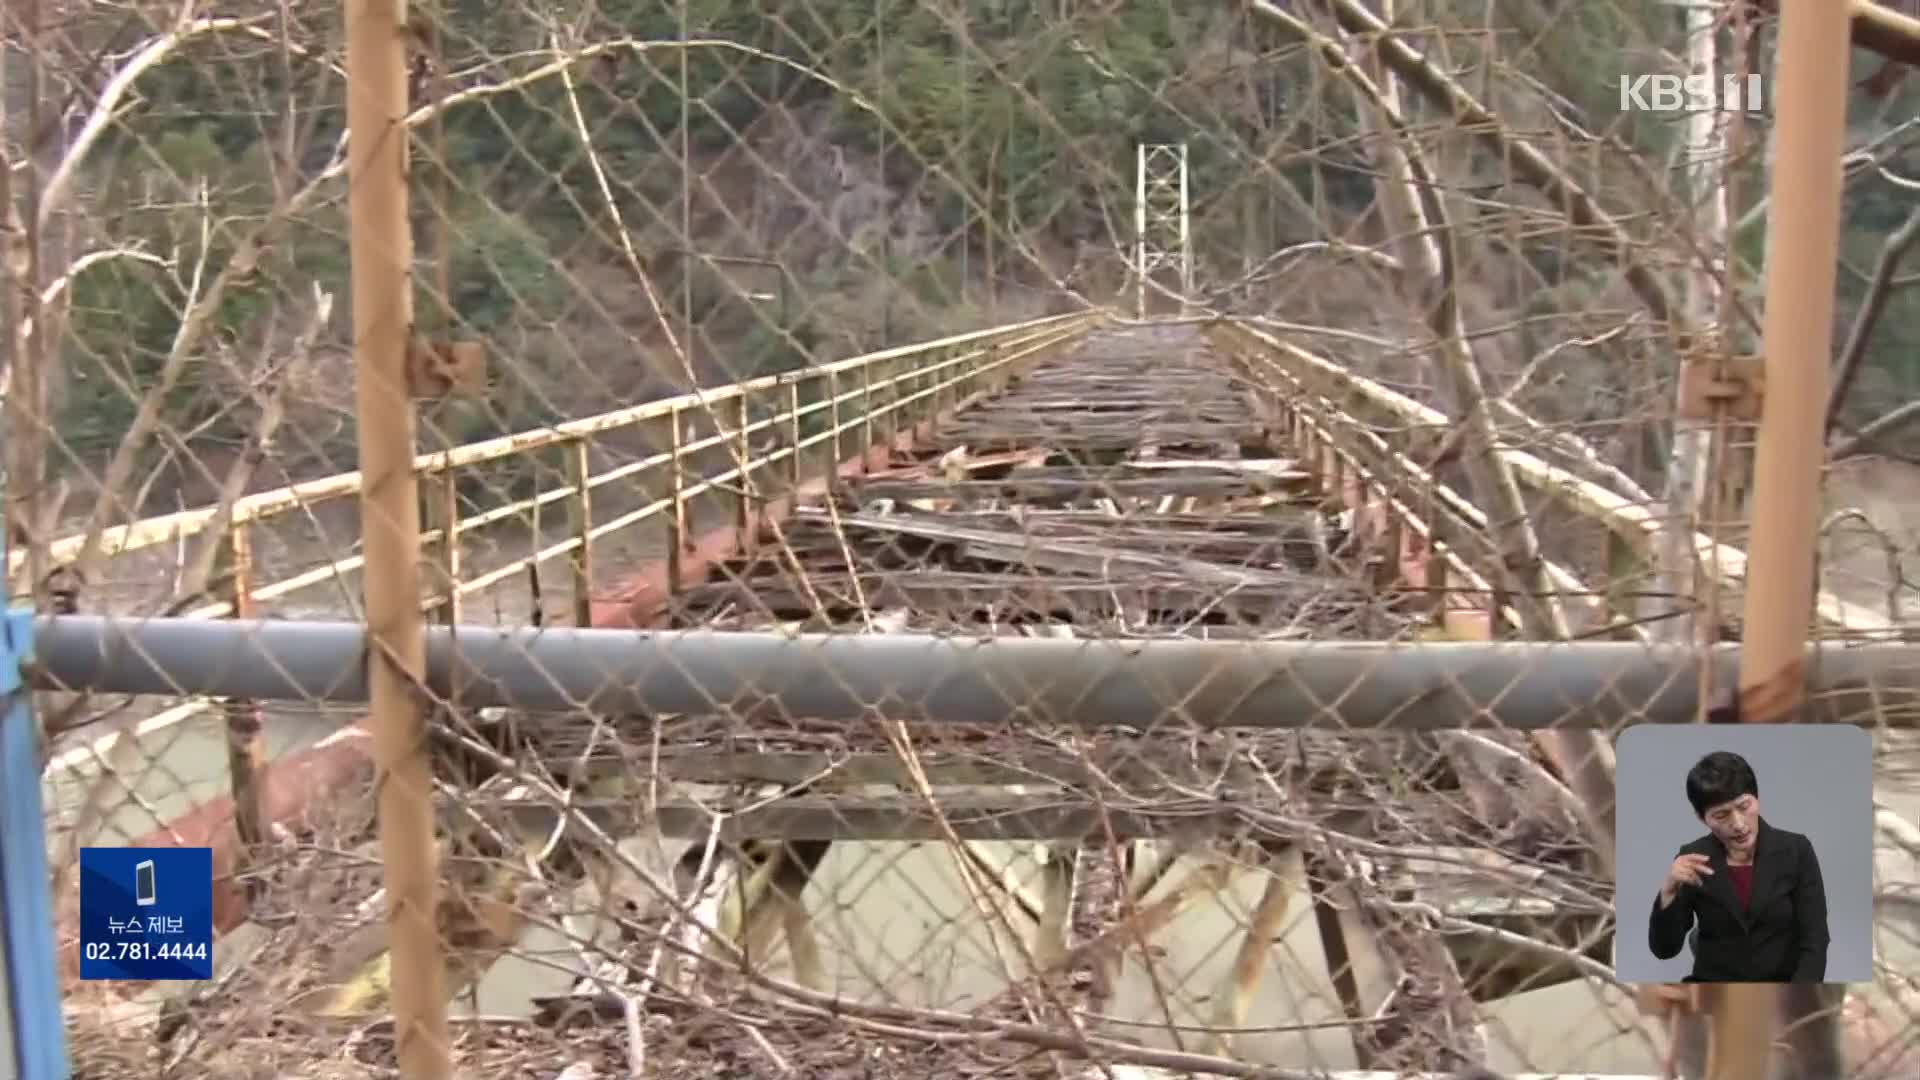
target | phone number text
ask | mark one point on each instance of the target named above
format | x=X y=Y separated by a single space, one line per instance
x=135 y=951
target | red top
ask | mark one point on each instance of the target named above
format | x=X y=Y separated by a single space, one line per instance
x=1742 y=879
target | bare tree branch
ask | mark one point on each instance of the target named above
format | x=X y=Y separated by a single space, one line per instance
x=118 y=85
x=1584 y=759
x=1886 y=424
x=1854 y=353
x=1592 y=223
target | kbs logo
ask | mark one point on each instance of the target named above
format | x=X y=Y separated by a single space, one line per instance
x=1691 y=93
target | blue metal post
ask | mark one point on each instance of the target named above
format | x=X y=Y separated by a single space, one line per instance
x=39 y=1031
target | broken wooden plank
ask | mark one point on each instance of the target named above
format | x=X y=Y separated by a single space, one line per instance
x=1268 y=468
x=1147 y=597
x=1065 y=556
x=1086 y=484
x=1285 y=540
x=1110 y=766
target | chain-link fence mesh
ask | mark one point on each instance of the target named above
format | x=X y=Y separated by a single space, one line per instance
x=819 y=318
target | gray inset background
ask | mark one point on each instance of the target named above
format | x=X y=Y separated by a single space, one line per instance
x=1816 y=780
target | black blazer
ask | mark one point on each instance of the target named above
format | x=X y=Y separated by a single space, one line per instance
x=1780 y=937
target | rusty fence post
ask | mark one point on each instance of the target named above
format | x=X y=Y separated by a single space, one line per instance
x=1802 y=250
x=381 y=256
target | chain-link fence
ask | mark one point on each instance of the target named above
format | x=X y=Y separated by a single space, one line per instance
x=824 y=318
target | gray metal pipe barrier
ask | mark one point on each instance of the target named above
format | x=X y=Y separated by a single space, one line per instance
x=1137 y=684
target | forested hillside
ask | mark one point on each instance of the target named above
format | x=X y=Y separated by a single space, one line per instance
x=870 y=171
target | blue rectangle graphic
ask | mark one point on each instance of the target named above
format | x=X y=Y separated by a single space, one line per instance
x=146 y=913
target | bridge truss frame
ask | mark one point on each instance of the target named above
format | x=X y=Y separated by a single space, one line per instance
x=1162 y=221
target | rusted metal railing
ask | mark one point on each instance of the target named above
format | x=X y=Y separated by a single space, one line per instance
x=827 y=410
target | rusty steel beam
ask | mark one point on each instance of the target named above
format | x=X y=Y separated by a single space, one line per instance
x=1340 y=686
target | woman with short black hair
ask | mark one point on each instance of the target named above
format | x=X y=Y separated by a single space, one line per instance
x=1750 y=893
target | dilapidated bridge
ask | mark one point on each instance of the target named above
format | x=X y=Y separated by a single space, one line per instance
x=462 y=467
x=1150 y=613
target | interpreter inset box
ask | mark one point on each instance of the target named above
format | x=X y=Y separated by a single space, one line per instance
x=1744 y=853
x=146 y=913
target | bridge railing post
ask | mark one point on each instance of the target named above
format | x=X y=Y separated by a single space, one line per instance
x=795 y=467
x=927 y=382
x=672 y=487
x=1437 y=579
x=867 y=434
x=1626 y=569
x=905 y=384
x=580 y=513
x=443 y=518
x=1334 y=496
x=836 y=443
x=892 y=425
x=935 y=378
x=1392 y=541
x=246 y=756
x=742 y=454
